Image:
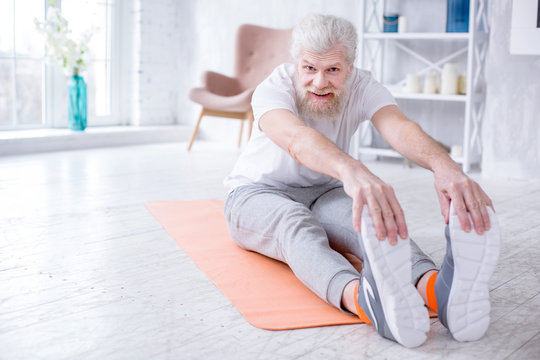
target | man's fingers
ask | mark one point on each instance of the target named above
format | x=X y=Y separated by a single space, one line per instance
x=376 y=217
x=358 y=205
x=485 y=202
x=485 y=217
x=390 y=213
x=476 y=216
x=387 y=227
x=399 y=215
x=390 y=224
x=468 y=200
x=461 y=212
x=477 y=208
x=444 y=201
x=384 y=209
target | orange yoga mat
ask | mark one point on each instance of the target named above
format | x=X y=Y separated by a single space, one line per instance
x=265 y=291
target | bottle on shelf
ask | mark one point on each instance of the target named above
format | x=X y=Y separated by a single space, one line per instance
x=457 y=15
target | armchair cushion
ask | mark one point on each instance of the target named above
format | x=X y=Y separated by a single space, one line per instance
x=235 y=103
x=220 y=84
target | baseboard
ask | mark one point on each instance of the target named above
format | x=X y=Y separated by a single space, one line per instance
x=46 y=140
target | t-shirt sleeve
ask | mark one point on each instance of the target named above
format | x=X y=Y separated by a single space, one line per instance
x=376 y=96
x=275 y=92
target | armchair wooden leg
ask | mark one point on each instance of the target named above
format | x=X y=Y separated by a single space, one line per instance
x=195 y=131
x=241 y=131
x=251 y=119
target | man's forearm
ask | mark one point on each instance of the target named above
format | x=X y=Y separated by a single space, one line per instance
x=417 y=146
x=306 y=145
x=408 y=138
x=313 y=150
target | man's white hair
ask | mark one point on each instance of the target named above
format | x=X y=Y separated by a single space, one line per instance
x=321 y=33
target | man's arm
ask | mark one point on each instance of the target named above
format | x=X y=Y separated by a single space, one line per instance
x=313 y=150
x=451 y=183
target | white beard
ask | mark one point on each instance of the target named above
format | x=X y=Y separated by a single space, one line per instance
x=308 y=110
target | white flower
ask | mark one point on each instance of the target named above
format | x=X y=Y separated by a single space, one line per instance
x=62 y=49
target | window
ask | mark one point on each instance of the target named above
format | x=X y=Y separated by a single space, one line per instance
x=34 y=94
x=21 y=64
x=96 y=15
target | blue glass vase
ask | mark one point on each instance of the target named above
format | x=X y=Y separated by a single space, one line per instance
x=77 y=103
x=457 y=15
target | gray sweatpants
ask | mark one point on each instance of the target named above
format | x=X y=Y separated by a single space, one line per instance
x=309 y=229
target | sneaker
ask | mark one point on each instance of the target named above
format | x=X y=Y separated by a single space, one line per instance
x=386 y=293
x=461 y=287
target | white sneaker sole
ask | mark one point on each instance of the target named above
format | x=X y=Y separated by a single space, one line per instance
x=403 y=308
x=475 y=257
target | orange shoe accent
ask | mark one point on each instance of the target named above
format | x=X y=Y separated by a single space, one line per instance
x=430 y=292
x=361 y=314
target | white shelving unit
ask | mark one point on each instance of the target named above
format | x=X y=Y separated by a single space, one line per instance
x=472 y=45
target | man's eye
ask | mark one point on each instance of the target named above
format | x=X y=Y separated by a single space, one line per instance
x=309 y=68
x=334 y=69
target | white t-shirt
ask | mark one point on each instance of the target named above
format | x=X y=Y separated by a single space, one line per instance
x=263 y=162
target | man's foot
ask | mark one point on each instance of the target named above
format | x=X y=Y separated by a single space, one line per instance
x=461 y=287
x=385 y=293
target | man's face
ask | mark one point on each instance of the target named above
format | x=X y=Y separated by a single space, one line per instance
x=322 y=81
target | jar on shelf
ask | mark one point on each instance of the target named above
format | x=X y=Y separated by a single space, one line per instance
x=457 y=15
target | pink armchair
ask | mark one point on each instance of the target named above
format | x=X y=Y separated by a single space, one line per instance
x=258 y=51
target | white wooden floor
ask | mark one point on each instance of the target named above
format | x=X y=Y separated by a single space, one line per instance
x=87 y=273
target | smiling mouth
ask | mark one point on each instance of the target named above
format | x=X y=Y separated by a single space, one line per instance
x=321 y=96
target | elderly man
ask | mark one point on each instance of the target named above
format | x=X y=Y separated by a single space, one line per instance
x=299 y=197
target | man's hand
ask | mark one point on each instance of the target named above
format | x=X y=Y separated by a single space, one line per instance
x=451 y=183
x=467 y=196
x=385 y=211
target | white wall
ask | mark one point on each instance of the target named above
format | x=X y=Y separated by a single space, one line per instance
x=155 y=43
x=211 y=44
x=179 y=40
x=511 y=126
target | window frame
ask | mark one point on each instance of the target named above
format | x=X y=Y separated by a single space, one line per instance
x=54 y=94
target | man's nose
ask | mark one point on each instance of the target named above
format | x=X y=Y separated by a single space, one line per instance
x=320 y=81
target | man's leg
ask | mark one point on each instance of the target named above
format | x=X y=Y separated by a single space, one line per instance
x=385 y=296
x=278 y=224
x=460 y=291
x=333 y=209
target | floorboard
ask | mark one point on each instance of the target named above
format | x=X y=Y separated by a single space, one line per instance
x=87 y=273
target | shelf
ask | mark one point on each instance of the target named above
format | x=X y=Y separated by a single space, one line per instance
x=417 y=36
x=465 y=47
x=433 y=97
x=398 y=93
x=480 y=36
